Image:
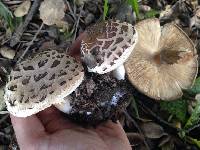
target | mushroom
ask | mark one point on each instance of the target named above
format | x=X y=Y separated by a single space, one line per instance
x=40 y=81
x=52 y=11
x=164 y=61
x=107 y=45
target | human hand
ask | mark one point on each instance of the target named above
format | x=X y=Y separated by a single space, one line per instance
x=50 y=130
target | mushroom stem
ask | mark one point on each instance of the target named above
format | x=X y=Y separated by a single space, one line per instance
x=119 y=73
x=65 y=105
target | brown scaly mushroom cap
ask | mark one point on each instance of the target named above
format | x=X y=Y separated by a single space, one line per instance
x=107 y=45
x=41 y=81
x=52 y=11
x=164 y=61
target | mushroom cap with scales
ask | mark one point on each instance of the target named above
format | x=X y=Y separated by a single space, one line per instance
x=41 y=81
x=107 y=45
x=164 y=61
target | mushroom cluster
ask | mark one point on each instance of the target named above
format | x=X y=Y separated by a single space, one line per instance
x=49 y=77
x=159 y=62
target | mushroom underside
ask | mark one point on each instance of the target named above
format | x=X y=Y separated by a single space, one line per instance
x=163 y=63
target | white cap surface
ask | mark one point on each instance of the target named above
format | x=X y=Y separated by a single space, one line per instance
x=40 y=81
x=107 y=45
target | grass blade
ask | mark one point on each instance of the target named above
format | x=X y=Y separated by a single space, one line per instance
x=135 y=6
x=6 y=14
x=105 y=9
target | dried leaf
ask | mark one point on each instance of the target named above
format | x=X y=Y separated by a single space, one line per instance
x=152 y=130
x=22 y=9
x=7 y=52
x=135 y=138
x=52 y=11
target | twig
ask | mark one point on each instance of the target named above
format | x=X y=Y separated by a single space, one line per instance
x=70 y=9
x=138 y=128
x=74 y=7
x=157 y=118
x=192 y=128
x=77 y=22
x=22 y=27
x=31 y=43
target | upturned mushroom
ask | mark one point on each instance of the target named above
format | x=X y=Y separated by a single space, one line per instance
x=40 y=81
x=107 y=45
x=164 y=61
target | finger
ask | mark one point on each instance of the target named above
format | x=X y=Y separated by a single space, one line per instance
x=75 y=48
x=110 y=129
x=27 y=129
x=53 y=120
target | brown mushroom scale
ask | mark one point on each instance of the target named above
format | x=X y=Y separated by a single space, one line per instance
x=107 y=45
x=98 y=98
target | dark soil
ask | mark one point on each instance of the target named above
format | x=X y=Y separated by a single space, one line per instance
x=99 y=98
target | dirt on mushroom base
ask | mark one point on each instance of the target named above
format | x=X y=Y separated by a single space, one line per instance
x=99 y=98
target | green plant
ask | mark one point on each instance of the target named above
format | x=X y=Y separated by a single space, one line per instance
x=6 y=14
x=196 y=87
x=135 y=6
x=150 y=14
x=177 y=108
x=194 y=118
x=105 y=9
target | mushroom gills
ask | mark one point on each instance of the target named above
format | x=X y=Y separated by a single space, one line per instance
x=119 y=73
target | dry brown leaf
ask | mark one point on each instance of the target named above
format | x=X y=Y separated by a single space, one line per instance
x=7 y=52
x=135 y=138
x=52 y=11
x=23 y=9
x=152 y=130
